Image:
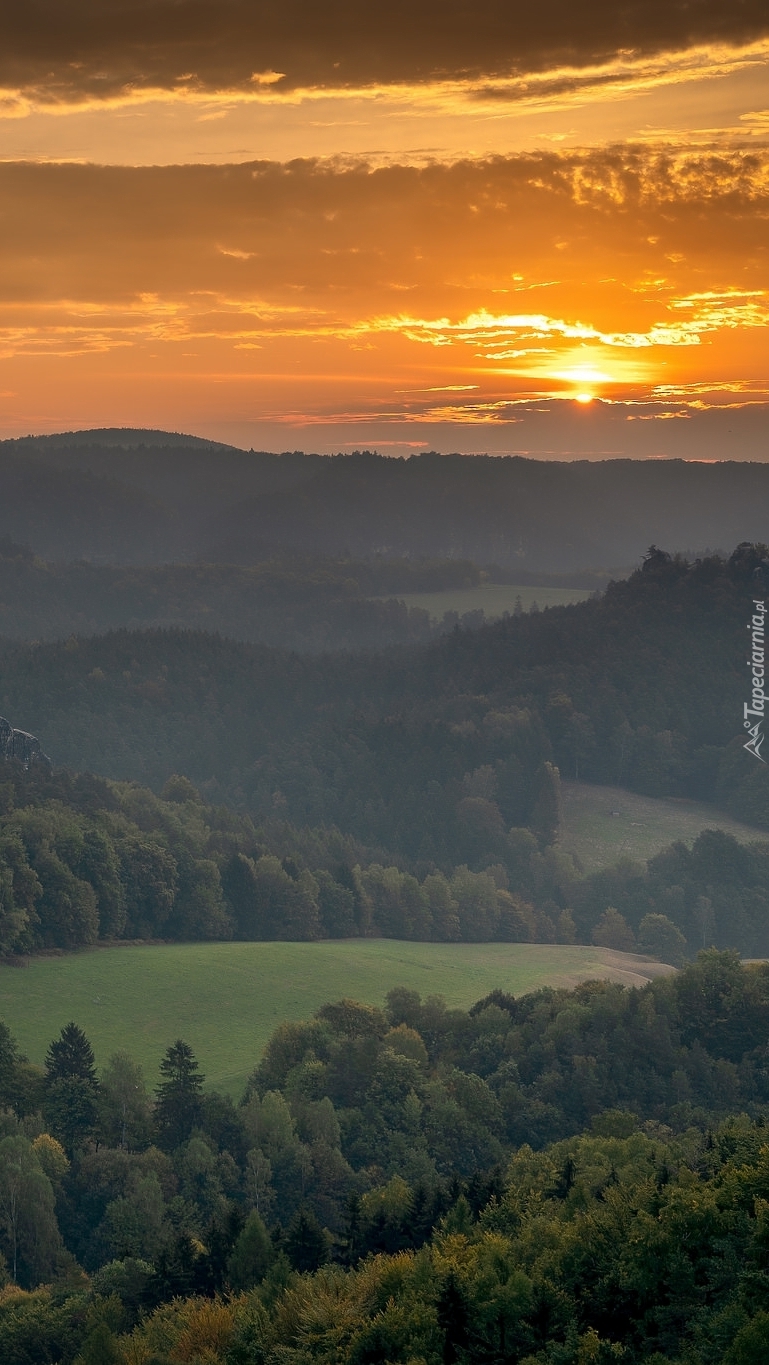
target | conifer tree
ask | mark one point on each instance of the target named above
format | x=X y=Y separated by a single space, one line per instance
x=71 y=1088
x=70 y=1055
x=177 y=1104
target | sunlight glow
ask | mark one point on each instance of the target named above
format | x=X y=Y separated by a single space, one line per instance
x=584 y=374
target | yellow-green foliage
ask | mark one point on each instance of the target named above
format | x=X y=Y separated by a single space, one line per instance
x=197 y=1331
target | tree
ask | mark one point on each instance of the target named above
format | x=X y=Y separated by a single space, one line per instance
x=71 y=1087
x=179 y=790
x=453 y=1317
x=443 y=908
x=150 y=876
x=98 y=864
x=177 y=1104
x=268 y=902
x=11 y=1063
x=240 y=887
x=67 y=908
x=27 y=1211
x=613 y=931
x=336 y=905
x=545 y=815
x=71 y=1055
x=124 y=1105
x=200 y=911
x=566 y=928
x=306 y=1242
x=751 y=1344
x=251 y=1255
x=133 y=1224
x=475 y=895
x=100 y=1348
x=19 y=890
x=480 y=829
x=52 y=1157
x=400 y=906
x=658 y=936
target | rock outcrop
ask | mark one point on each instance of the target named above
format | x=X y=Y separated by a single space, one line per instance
x=19 y=745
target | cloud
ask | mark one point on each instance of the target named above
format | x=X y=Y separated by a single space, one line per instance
x=70 y=50
x=644 y=226
x=277 y=278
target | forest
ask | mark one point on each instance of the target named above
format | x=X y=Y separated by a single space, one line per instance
x=308 y=604
x=568 y=1177
x=434 y=751
x=84 y=860
x=150 y=497
x=311 y=604
x=411 y=794
x=274 y=747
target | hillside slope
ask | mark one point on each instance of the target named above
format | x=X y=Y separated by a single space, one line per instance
x=132 y=497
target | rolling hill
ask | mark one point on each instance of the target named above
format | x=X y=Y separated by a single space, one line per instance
x=225 y=999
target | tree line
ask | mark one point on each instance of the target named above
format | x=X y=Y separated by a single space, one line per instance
x=85 y=860
x=137 y=497
x=290 y=602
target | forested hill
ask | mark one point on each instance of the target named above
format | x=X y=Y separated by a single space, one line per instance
x=133 y=497
x=429 y=756
x=570 y=1178
x=431 y=752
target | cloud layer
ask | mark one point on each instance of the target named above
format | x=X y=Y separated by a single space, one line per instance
x=466 y=293
x=74 y=50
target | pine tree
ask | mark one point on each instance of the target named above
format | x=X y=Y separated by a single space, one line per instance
x=177 y=1104
x=307 y=1242
x=71 y=1088
x=70 y=1055
x=453 y=1317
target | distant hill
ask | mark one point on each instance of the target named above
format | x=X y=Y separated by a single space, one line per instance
x=434 y=750
x=144 y=497
x=311 y=604
x=129 y=497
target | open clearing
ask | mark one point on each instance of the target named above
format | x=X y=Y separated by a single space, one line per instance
x=494 y=598
x=225 y=999
x=603 y=824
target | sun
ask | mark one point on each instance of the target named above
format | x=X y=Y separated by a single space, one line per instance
x=583 y=397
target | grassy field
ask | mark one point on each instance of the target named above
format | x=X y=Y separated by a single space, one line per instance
x=603 y=824
x=495 y=598
x=226 y=998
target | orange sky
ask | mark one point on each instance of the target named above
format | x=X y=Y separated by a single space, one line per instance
x=290 y=234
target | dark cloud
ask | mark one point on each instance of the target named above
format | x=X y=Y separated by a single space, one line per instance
x=65 y=49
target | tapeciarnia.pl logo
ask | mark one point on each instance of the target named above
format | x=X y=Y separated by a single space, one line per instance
x=757 y=704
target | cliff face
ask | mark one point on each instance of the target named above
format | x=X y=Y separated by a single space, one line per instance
x=25 y=748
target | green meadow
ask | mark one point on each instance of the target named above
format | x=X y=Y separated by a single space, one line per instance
x=226 y=998
x=603 y=824
x=494 y=598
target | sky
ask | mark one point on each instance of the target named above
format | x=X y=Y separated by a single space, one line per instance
x=314 y=224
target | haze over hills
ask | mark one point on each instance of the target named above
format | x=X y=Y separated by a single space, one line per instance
x=642 y=688
x=438 y=760
x=148 y=497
